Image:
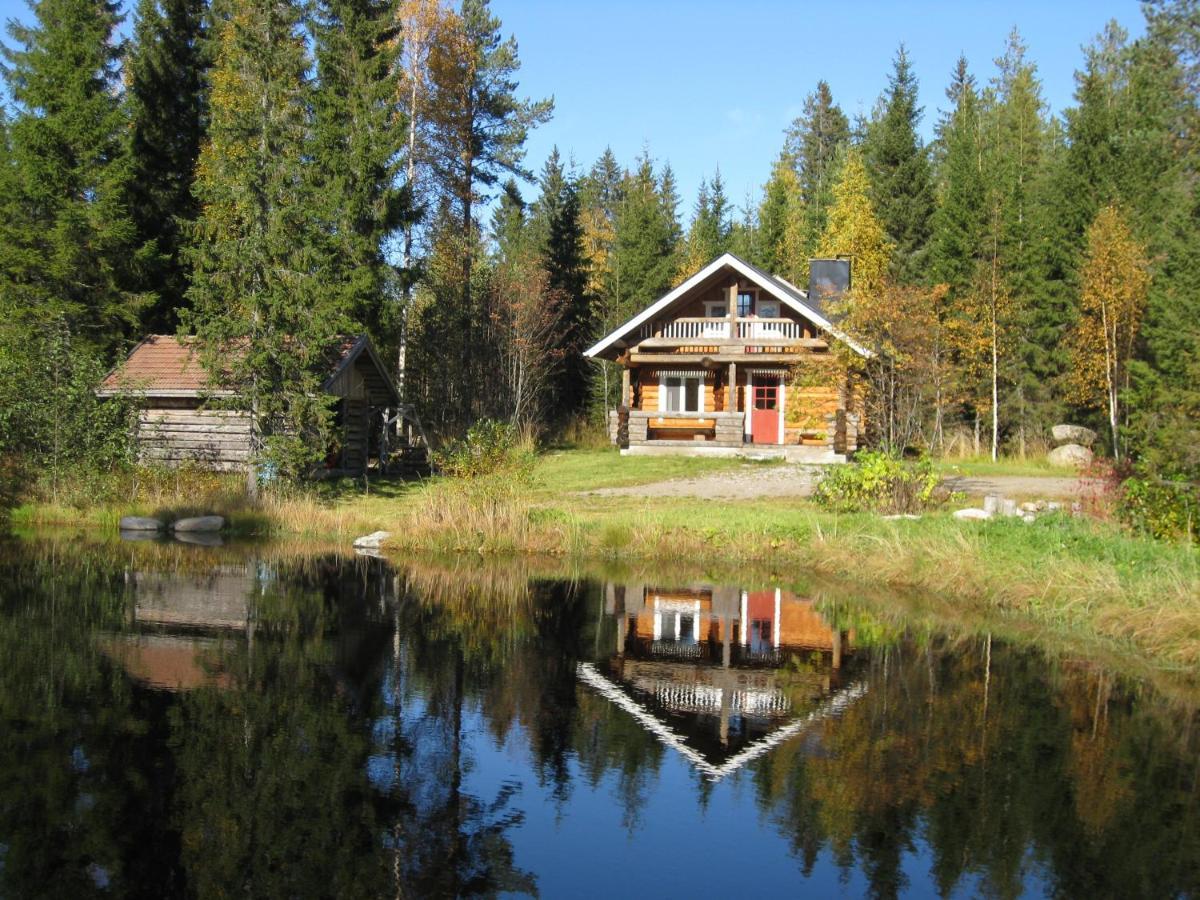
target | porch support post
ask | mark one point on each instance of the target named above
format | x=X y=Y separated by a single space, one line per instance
x=731 y=388
x=625 y=398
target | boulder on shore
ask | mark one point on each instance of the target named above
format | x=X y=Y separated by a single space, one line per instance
x=372 y=541
x=141 y=523
x=1073 y=434
x=972 y=513
x=1070 y=455
x=199 y=523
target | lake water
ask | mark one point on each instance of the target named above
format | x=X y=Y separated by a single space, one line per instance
x=256 y=721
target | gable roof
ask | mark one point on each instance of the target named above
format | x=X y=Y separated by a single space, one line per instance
x=782 y=290
x=164 y=365
x=667 y=733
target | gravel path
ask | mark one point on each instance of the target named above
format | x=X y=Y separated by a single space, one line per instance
x=752 y=482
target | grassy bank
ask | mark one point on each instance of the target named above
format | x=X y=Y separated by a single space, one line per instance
x=1074 y=580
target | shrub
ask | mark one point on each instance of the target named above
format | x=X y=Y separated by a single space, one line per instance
x=1160 y=508
x=879 y=482
x=489 y=448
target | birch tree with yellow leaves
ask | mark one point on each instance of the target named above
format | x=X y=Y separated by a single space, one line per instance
x=1114 y=282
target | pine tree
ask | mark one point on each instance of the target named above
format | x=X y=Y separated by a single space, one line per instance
x=901 y=189
x=264 y=319
x=816 y=142
x=359 y=134
x=478 y=125
x=854 y=231
x=167 y=75
x=69 y=249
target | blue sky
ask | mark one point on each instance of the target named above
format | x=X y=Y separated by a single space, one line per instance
x=706 y=84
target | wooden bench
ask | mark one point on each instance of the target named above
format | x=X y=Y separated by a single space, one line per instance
x=662 y=423
x=681 y=426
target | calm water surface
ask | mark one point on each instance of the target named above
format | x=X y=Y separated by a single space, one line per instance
x=195 y=721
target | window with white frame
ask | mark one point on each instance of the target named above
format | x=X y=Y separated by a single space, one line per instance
x=681 y=393
x=745 y=303
x=768 y=309
x=715 y=309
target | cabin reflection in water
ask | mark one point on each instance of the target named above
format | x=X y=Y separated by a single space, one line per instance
x=177 y=622
x=720 y=674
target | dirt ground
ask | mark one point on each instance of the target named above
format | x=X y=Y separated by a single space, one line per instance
x=752 y=482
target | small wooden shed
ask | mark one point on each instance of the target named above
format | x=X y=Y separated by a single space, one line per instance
x=178 y=423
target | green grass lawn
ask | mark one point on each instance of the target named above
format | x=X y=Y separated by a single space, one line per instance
x=570 y=471
x=984 y=466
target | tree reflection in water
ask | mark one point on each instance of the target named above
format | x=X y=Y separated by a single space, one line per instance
x=220 y=721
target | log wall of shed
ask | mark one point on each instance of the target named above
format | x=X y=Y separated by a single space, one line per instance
x=174 y=433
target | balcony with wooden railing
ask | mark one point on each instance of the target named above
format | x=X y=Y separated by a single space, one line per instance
x=723 y=338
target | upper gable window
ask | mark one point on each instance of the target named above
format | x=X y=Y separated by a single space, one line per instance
x=716 y=309
x=745 y=303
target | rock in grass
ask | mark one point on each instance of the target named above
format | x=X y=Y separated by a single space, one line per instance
x=972 y=513
x=199 y=523
x=141 y=523
x=372 y=541
x=1073 y=434
x=1070 y=455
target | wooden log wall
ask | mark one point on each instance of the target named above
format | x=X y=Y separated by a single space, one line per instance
x=217 y=439
x=807 y=407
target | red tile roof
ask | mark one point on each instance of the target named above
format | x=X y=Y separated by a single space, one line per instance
x=165 y=365
x=159 y=364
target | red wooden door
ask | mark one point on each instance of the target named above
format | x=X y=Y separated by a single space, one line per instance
x=764 y=414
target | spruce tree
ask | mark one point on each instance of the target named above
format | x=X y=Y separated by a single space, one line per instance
x=561 y=247
x=167 y=74
x=816 y=142
x=509 y=232
x=957 y=241
x=646 y=239
x=601 y=198
x=708 y=236
x=901 y=189
x=359 y=133
x=264 y=319
x=69 y=248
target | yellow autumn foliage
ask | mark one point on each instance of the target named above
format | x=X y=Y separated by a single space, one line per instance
x=1112 y=297
x=854 y=230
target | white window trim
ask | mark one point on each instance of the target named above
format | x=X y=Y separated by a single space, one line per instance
x=683 y=376
x=778 y=309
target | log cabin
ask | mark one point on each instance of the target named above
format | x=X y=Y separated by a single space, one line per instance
x=178 y=422
x=733 y=360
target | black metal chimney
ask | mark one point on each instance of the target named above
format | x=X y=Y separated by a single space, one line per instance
x=828 y=280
